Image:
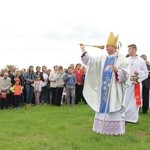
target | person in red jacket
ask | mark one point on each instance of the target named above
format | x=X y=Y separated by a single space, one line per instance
x=79 y=84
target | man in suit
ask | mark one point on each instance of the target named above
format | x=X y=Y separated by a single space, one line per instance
x=145 y=88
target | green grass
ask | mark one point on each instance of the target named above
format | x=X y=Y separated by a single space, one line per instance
x=65 y=128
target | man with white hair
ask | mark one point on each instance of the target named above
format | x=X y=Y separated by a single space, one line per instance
x=5 y=85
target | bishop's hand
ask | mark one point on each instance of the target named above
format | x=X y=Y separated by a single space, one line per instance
x=82 y=46
x=114 y=68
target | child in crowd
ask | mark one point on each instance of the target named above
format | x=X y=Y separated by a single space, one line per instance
x=70 y=81
x=38 y=84
x=17 y=91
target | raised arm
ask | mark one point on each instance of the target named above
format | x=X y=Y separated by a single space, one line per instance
x=85 y=57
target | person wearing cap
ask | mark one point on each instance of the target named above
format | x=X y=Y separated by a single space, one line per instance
x=138 y=73
x=104 y=87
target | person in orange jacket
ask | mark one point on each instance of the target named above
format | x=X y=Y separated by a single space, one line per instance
x=17 y=90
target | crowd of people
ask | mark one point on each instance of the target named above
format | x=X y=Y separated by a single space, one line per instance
x=20 y=88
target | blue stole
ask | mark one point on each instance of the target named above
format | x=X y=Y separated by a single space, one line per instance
x=106 y=81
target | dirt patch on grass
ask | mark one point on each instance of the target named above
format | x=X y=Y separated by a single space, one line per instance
x=143 y=134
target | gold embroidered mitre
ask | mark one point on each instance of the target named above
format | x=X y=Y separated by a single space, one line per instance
x=112 y=40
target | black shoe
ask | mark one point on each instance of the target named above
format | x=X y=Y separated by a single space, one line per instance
x=145 y=112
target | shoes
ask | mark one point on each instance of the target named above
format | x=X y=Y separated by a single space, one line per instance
x=126 y=122
x=17 y=107
x=145 y=112
x=28 y=105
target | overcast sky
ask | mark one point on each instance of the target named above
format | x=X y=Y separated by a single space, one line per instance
x=45 y=32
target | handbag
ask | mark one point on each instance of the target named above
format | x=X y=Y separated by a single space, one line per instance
x=3 y=94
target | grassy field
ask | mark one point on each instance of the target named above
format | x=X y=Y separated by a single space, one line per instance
x=65 y=128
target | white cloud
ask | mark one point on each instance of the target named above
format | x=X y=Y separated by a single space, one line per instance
x=31 y=27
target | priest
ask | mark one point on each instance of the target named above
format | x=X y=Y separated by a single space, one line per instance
x=106 y=80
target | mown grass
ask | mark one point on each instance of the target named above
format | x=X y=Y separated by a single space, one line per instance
x=65 y=128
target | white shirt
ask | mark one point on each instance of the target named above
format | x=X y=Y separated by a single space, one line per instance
x=45 y=76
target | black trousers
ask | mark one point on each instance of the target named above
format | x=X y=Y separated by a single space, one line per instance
x=10 y=99
x=53 y=101
x=17 y=100
x=59 y=91
x=145 y=95
x=78 y=93
x=3 y=103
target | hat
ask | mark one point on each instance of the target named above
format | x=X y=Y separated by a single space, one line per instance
x=112 y=40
